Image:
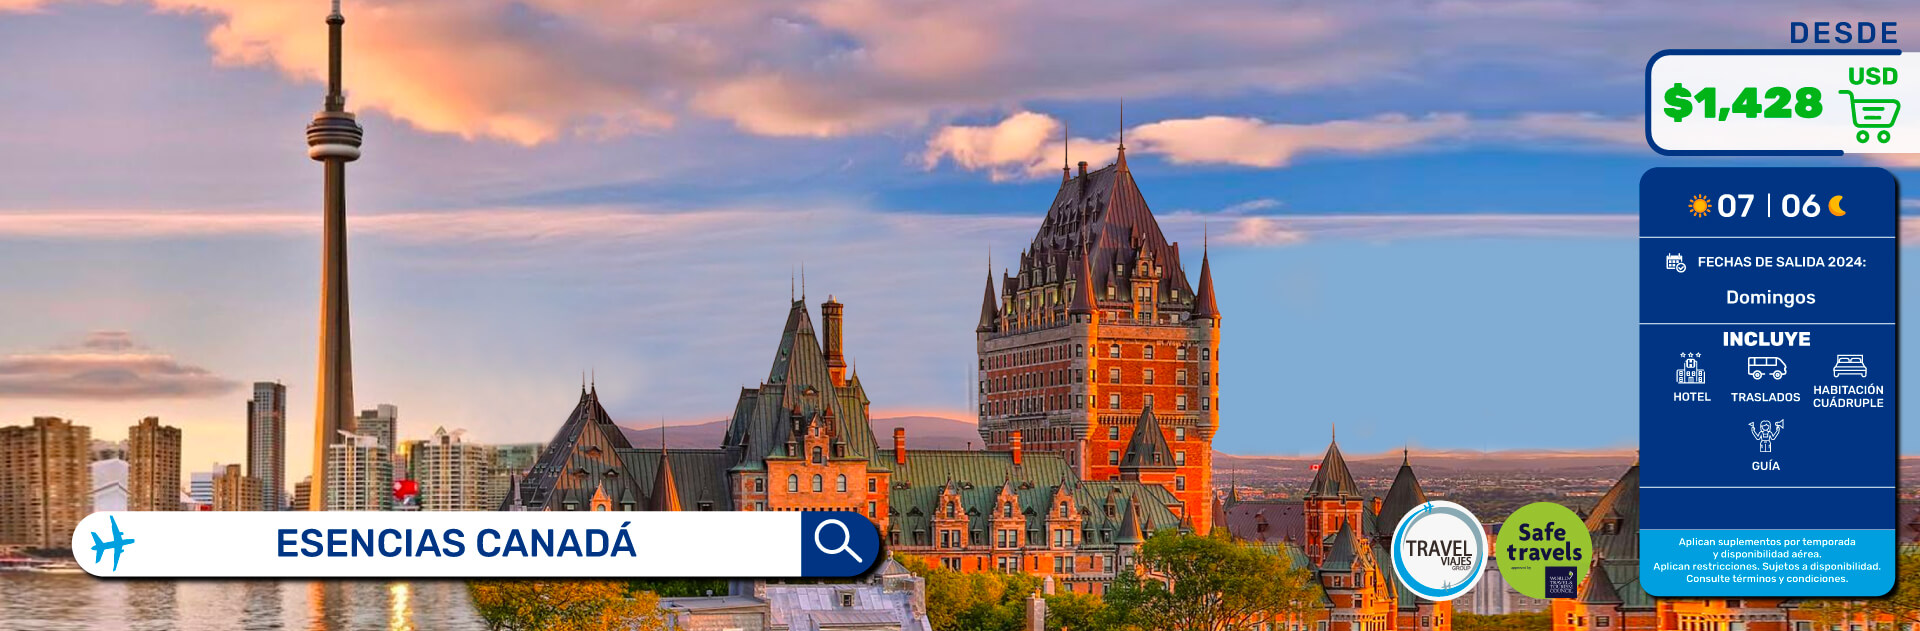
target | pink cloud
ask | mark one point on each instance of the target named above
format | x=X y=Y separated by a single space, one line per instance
x=106 y=366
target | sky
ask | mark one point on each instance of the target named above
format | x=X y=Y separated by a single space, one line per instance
x=1421 y=214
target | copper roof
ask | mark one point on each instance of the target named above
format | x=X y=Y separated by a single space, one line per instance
x=1333 y=479
x=1403 y=496
x=1148 y=447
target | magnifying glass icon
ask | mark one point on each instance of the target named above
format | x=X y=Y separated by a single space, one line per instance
x=845 y=542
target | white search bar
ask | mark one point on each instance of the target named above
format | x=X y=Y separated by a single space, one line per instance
x=474 y=544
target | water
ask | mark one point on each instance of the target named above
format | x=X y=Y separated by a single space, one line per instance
x=58 y=602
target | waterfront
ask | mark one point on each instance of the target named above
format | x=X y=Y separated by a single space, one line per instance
x=50 y=602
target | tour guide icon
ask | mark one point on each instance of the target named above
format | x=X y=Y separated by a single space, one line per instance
x=1873 y=114
x=1766 y=432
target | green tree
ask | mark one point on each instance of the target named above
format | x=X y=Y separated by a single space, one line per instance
x=1502 y=622
x=1209 y=583
x=565 y=606
x=680 y=587
x=1078 y=612
x=978 y=601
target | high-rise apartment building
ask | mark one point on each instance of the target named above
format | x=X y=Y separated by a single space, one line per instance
x=267 y=442
x=452 y=472
x=359 y=475
x=234 y=490
x=153 y=466
x=503 y=463
x=383 y=424
x=49 y=486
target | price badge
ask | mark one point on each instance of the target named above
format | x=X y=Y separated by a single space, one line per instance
x=1782 y=102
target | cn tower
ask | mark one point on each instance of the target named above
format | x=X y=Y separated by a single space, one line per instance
x=333 y=138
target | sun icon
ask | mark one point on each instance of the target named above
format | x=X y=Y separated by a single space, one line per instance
x=1699 y=206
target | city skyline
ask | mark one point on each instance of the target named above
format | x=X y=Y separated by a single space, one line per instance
x=1373 y=208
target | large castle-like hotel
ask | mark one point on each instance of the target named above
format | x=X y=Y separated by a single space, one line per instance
x=1099 y=386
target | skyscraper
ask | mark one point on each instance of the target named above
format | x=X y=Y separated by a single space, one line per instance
x=333 y=138
x=267 y=441
x=361 y=475
x=153 y=466
x=383 y=424
x=49 y=486
x=452 y=472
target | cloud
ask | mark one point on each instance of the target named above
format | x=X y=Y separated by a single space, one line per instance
x=533 y=71
x=1025 y=143
x=1252 y=142
x=1251 y=223
x=106 y=366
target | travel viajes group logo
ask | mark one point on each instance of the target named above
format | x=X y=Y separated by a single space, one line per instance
x=1544 y=551
x=1439 y=550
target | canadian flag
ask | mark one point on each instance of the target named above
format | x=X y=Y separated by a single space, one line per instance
x=1313 y=467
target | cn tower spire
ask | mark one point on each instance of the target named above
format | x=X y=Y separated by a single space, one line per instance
x=333 y=139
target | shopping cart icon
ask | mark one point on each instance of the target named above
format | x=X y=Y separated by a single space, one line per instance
x=1873 y=114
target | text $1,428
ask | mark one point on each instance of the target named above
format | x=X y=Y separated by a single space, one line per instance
x=1779 y=103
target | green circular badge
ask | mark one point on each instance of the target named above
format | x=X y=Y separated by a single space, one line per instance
x=1544 y=551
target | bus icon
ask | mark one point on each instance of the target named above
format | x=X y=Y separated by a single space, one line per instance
x=1763 y=366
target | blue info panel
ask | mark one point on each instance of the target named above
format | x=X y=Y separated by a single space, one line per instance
x=1769 y=307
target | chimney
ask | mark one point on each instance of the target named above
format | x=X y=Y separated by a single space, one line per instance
x=1376 y=504
x=899 y=445
x=1013 y=443
x=1083 y=168
x=830 y=312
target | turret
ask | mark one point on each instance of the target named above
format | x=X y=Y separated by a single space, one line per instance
x=989 y=310
x=1203 y=302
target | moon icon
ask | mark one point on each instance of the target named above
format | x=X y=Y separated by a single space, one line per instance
x=1833 y=206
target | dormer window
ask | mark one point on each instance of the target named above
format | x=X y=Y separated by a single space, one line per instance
x=1006 y=509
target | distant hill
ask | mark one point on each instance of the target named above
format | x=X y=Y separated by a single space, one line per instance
x=923 y=432
x=1437 y=462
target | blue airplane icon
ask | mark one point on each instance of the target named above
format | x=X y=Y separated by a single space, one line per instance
x=118 y=544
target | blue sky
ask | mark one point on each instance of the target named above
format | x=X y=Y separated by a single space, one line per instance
x=1421 y=213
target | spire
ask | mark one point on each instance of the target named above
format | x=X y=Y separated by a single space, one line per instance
x=1130 y=524
x=1066 y=164
x=1082 y=288
x=1122 y=162
x=1333 y=479
x=1402 y=497
x=989 y=307
x=666 y=494
x=1203 y=301
x=336 y=95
